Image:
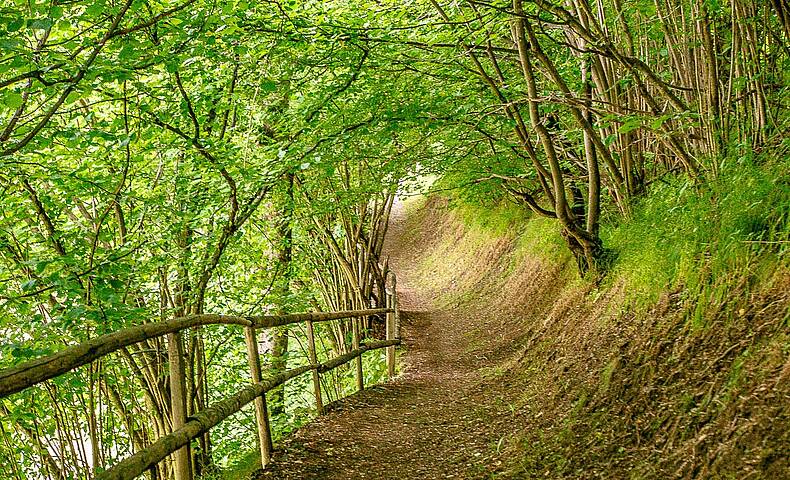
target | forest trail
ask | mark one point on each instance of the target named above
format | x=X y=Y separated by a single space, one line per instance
x=439 y=419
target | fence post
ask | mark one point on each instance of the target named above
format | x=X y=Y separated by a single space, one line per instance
x=319 y=404
x=182 y=467
x=395 y=306
x=261 y=413
x=355 y=327
x=390 y=329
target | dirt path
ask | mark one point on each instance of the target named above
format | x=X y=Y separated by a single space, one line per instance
x=438 y=420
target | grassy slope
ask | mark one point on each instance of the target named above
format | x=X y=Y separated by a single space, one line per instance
x=678 y=366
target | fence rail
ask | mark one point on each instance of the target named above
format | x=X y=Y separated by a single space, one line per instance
x=185 y=429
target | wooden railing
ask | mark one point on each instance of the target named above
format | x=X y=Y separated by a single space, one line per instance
x=185 y=429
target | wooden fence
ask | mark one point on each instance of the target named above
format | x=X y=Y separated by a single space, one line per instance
x=184 y=429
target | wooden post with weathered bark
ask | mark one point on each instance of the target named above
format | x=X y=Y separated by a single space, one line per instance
x=390 y=329
x=396 y=307
x=355 y=345
x=199 y=423
x=176 y=443
x=261 y=414
x=319 y=404
x=182 y=467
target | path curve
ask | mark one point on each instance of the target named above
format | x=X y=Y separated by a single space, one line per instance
x=437 y=420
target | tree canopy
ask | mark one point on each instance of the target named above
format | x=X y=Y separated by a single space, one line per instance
x=170 y=157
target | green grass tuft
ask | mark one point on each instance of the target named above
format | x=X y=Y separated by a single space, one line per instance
x=682 y=235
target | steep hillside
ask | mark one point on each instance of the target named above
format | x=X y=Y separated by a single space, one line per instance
x=627 y=380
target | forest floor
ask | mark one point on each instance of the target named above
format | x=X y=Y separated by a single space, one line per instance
x=443 y=417
x=514 y=368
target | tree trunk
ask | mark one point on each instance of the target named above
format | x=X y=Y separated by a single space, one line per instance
x=279 y=362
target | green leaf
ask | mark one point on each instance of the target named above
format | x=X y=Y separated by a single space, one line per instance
x=73 y=97
x=76 y=381
x=96 y=9
x=15 y=25
x=630 y=125
x=41 y=266
x=29 y=285
x=13 y=99
x=657 y=123
x=40 y=24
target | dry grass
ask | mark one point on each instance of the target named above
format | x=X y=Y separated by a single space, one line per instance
x=517 y=369
x=604 y=390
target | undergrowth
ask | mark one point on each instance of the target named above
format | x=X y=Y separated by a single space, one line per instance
x=681 y=235
x=698 y=237
x=673 y=366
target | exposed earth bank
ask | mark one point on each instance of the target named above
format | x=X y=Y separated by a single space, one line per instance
x=514 y=368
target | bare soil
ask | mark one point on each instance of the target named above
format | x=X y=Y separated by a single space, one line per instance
x=440 y=419
x=513 y=368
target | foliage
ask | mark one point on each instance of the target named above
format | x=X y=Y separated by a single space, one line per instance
x=679 y=236
x=164 y=158
x=700 y=235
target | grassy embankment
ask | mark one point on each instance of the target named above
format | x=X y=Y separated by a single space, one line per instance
x=678 y=365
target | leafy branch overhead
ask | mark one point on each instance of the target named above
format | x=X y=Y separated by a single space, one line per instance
x=168 y=158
